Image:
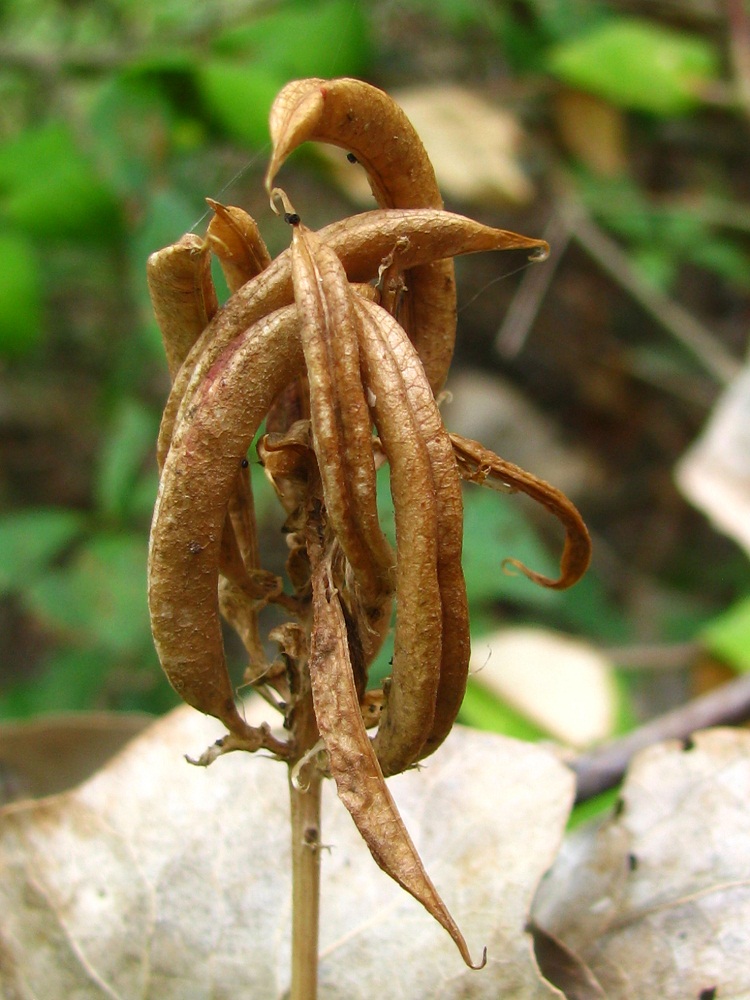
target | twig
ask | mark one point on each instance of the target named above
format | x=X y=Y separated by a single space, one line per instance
x=739 y=50
x=683 y=326
x=653 y=656
x=604 y=768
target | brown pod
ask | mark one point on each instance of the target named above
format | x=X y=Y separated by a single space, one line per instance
x=408 y=717
x=197 y=481
x=353 y=764
x=455 y=650
x=370 y=125
x=361 y=243
x=341 y=424
x=182 y=295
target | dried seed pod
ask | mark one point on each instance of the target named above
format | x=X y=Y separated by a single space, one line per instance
x=184 y=301
x=406 y=372
x=364 y=120
x=361 y=243
x=341 y=425
x=408 y=717
x=198 y=478
x=182 y=295
x=352 y=761
x=480 y=465
x=235 y=239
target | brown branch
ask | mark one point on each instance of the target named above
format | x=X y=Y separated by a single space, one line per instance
x=604 y=767
x=673 y=317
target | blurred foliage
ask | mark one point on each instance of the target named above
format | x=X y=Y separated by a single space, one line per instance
x=118 y=117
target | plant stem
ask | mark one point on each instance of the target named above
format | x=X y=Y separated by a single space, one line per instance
x=305 y=822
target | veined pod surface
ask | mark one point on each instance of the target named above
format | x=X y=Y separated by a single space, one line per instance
x=341 y=423
x=408 y=717
x=396 y=369
x=198 y=478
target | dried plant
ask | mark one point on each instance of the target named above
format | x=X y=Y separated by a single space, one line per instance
x=350 y=329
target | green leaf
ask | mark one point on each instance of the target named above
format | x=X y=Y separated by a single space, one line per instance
x=20 y=296
x=482 y=710
x=238 y=97
x=50 y=189
x=495 y=528
x=100 y=598
x=30 y=540
x=69 y=681
x=130 y=126
x=129 y=441
x=639 y=65
x=323 y=39
x=728 y=636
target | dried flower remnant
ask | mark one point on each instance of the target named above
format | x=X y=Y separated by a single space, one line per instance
x=340 y=345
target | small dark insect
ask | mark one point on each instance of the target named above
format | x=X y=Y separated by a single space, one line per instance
x=292 y=218
x=244 y=463
x=710 y=993
x=688 y=744
x=352 y=158
x=632 y=862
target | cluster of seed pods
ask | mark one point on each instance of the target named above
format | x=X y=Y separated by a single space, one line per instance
x=341 y=345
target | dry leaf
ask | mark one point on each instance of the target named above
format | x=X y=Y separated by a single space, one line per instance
x=656 y=900
x=561 y=683
x=55 y=752
x=164 y=882
x=715 y=473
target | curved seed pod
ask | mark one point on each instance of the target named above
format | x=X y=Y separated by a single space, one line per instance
x=341 y=425
x=184 y=301
x=364 y=120
x=479 y=465
x=408 y=717
x=456 y=645
x=235 y=239
x=353 y=764
x=361 y=243
x=198 y=478
x=182 y=295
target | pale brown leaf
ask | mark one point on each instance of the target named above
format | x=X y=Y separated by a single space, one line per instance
x=656 y=899
x=560 y=682
x=164 y=882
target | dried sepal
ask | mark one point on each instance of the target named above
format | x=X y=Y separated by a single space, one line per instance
x=235 y=239
x=352 y=761
x=480 y=465
x=198 y=478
